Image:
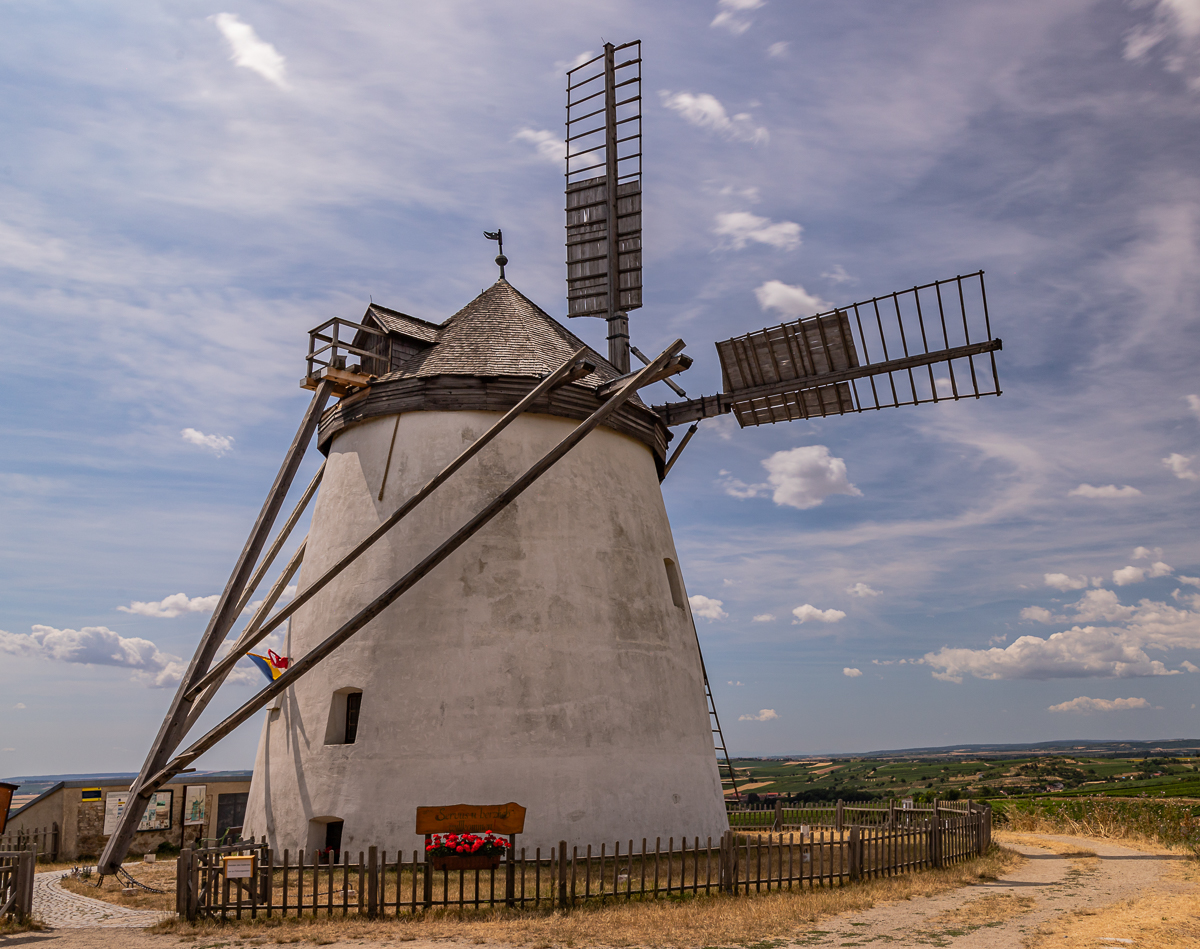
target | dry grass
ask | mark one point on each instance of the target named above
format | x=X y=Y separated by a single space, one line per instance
x=705 y=921
x=1168 y=917
x=160 y=875
x=10 y=927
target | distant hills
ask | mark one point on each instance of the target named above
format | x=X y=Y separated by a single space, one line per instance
x=1109 y=748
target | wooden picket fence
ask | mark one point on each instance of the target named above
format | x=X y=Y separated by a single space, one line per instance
x=388 y=883
x=42 y=839
x=16 y=883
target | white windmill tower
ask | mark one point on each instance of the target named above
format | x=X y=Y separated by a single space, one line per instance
x=526 y=634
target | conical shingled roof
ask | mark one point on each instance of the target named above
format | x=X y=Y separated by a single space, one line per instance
x=501 y=333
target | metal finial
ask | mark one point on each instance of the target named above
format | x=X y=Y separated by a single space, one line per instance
x=498 y=236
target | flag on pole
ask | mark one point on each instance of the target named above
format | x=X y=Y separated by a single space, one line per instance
x=272 y=664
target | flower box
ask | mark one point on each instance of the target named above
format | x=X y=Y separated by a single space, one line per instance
x=466 y=861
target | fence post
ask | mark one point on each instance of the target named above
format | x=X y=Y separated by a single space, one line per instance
x=54 y=846
x=373 y=882
x=26 y=866
x=728 y=863
x=855 y=852
x=838 y=819
x=183 y=876
x=778 y=825
x=936 y=832
x=562 y=873
x=510 y=873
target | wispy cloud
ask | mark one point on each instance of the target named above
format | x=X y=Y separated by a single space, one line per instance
x=775 y=50
x=1180 y=466
x=862 y=589
x=808 y=613
x=707 y=608
x=731 y=15
x=548 y=145
x=790 y=300
x=1060 y=581
x=764 y=715
x=764 y=618
x=1174 y=24
x=251 y=52
x=706 y=111
x=1193 y=402
x=1085 y=704
x=1106 y=491
x=217 y=444
x=174 y=605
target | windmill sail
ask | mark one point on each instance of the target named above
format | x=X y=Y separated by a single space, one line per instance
x=604 y=191
x=876 y=354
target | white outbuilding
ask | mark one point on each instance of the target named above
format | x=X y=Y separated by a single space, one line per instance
x=552 y=660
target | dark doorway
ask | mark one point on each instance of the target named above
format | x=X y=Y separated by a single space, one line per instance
x=231 y=813
x=333 y=840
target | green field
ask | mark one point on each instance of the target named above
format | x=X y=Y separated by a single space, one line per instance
x=954 y=776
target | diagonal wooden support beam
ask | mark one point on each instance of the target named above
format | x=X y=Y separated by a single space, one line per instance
x=574 y=368
x=242 y=644
x=171 y=732
x=300 y=667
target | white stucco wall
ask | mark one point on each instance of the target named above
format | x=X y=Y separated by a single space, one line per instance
x=545 y=662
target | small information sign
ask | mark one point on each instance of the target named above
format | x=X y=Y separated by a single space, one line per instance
x=907 y=803
x=239 y=867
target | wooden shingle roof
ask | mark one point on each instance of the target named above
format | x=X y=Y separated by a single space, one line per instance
x=500 y=333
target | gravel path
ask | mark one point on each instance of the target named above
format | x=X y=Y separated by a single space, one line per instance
x=62 y=909
x=1055 y=882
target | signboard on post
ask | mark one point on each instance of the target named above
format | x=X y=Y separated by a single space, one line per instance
x=156 y=817
x=6 y=793
x=471 y=818
x=239 y=867
x=194 y=801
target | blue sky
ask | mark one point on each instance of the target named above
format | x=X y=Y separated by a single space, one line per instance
x=187 y=188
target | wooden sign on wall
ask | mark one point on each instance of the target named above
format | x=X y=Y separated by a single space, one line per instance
x=471 y=818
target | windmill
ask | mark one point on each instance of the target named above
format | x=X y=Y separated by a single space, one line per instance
x=527 y=634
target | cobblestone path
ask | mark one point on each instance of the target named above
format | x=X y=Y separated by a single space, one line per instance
x=62 y=909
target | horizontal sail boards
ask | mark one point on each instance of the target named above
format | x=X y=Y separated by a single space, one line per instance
x=879 y=353
x=587 y=246
x=604 y=181
x=785 y=353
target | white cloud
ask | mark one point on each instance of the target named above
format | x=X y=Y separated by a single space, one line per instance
x=778 y=49
x=1103 y=491
x=1159 y=569
x=851 y=673
x=96 y=646
x=707 y=607
x=19 y=705
x=861 y=589
x=765 y=618
x=733 y=683
x=1180 y=466
x=250 y=51
x=1118 y=651
x=791 y=301
x=1189 y=666
x=219 y=444
x=837 y=274
x=549 y=145
x=799 y=477
x=1084 y=704
x=1060 y=581
x=1190 y=581
x=804 y=477
x=1146 y=553
x=740 y=227
x=1037 y=614
x=809 y=612
x=563 y=65
x=764 y=715
x=174 y=605
x=1193 y=402
x=706 y=111
x=729 y=14
x=1128 y=575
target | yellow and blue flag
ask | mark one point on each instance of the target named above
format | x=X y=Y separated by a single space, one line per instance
x=272 y=664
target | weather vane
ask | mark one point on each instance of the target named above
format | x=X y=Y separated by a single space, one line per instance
x=498 y=236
